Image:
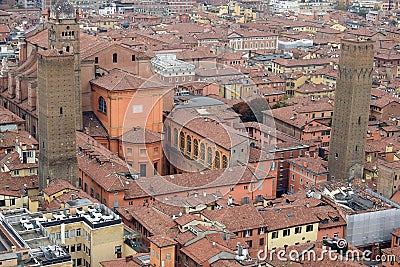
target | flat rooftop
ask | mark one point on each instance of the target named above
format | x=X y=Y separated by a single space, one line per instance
x=95 y=215
x=356 y=197
x=25 y=229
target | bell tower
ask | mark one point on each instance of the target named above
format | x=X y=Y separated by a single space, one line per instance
x=64 y=35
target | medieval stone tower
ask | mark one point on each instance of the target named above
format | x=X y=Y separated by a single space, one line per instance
x=59 y=104
x=63 y=34
x=351 y=110
x=57 y=135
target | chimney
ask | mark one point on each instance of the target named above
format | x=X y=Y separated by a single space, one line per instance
x=226 y=235
x=240 y=249
x=129 y=258
x=305 y=164
x=389 y=148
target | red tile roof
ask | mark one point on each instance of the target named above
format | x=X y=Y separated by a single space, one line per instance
x=187 y=182
x=162 y=241
x=4 y=28
x=119 y=80
x=203 y=250
x=316 y=166
x=128 y=261
x=138 y=135
x=7 y=117
x=285 y=217
x=153 y=220
x=238 y=218
x=89 y=44
x=56 y=186
x=100 y=164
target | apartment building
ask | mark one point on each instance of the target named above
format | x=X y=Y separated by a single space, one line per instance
x=281 y=65
x=307 y=172
x=172 y=70
x=83 y=231
x=290 y=226
x=298 y=125
x=26 y=242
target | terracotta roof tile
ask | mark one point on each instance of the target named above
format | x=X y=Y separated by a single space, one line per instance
x=138 y=135
x=9 y=139
x=169 y=209
x=162 y=241
x=89 y=44
x=238 y=218
x=100 y=164
x=186 y=218
x=13 y=162
x=18 y=184
x=153 y=220
x=128 y=261
x=311 y=88
x=56 y=186
x=317 y=166
x=93 y=125
x=203 y=250
x=286 y=217
x=187 y=182
x=7 y=117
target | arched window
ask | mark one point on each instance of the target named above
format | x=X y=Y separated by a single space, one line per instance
x=182 y=141
x=115 y=58
x=169 y=134
x=195 y=148
x=67 y=49
x=217 y=160
x=202 y=152
x=224 y=162
x=209 y=156
x=176 y=138
x=102 y=105
x=189 y=144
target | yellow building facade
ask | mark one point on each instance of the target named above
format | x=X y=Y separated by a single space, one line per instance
x=292 y=236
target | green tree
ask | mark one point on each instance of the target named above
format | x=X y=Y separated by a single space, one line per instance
x=252 y=110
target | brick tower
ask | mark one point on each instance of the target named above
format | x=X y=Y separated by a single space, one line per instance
x=56 y=113
x=351 y=110
x=64 y=34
